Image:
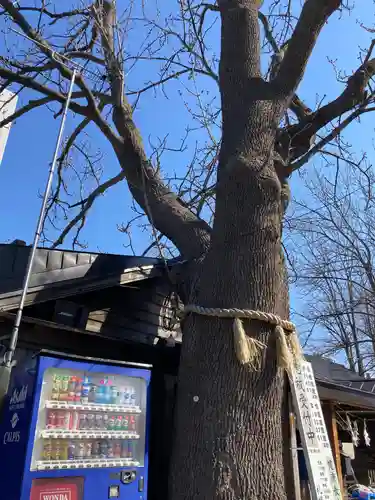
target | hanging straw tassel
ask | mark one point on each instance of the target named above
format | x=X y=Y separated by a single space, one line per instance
x=247 y=349
x=295 y=347
x=283 y=355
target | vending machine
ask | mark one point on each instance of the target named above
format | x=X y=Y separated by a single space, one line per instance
x=75 y=430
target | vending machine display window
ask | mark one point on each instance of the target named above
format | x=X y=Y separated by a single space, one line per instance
x=89 y=420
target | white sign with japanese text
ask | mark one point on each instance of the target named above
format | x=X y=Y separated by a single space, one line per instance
x=321 y=467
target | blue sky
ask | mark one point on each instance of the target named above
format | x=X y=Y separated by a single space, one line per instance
x=24 y=169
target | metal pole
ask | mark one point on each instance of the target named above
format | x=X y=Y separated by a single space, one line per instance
x=8 y=357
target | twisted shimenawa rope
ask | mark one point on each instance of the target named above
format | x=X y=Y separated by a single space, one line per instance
x=248 y=349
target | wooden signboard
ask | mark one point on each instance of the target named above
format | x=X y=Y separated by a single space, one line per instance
x=324 y=484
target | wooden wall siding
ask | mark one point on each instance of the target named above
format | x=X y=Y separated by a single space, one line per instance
x=41 y=334
x=141 y=312
x=144 y=313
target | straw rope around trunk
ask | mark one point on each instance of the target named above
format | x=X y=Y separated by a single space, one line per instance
x=248 y=350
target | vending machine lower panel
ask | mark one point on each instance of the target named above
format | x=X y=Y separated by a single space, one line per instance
x=88 y=433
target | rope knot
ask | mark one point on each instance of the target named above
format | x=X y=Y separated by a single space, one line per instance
x=248 y=349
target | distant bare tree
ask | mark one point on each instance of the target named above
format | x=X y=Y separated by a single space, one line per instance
x=333 y=234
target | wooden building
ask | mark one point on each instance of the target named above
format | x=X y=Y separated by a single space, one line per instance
x=103 y=306
x=123 y=308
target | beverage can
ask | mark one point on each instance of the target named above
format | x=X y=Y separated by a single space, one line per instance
x=132 y=397
x=67 y=418
x=56 y=450
x=114 y=394
x=78 y=390
x=98 y=421
x=95 y=451
x=131 y=448
x=125 y=423
x=124 y=449
x=107 y=394
x=60 y=420
x=74 y=422
x=64 y=450
x=55 y=394
x=83 y=421
x=110 y=453
x=103 y=449
x=80 y=450
x=127 y=396
x=132 y=423
x=118 y=423
x=111 y=423
x=56 y=386
x=51 y=420
x=65 y=383
x=120 y=396
x=92 y=393
x=117 y=450
x=47 y=449
x=88 y=453
x=90 y=421
x=72 y=388
x=85 y=390
x=105 y=421
x=99 y=394
x=71 y=450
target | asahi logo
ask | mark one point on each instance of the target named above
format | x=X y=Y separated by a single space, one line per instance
x=18 y=398
x=64 y=495
x=19 y=395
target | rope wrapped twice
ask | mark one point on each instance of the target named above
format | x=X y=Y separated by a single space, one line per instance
x=248 y=350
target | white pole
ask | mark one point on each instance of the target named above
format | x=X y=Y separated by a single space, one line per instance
x=8 y=357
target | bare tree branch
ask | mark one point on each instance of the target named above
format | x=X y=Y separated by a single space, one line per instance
x=87 y=204
x=326 y=140
x=32 y=104
x=297 y=138
x=314 y=15
x=31 y=83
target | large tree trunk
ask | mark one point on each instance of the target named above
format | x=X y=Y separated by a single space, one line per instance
x=229 y=439
x=228 y=442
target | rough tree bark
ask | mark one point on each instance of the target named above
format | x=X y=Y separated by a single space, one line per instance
x=229 y=440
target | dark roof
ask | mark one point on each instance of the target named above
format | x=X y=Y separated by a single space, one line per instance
x=58 y=273
x=328 y=370
x=336 y=382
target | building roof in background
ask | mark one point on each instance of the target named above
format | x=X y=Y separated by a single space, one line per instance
x=326 y=369
x=59 y=273
x=338 y=383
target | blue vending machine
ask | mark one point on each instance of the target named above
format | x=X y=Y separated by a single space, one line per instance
x=75 y=429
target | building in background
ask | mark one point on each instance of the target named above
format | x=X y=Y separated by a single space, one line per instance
x=8 y=103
